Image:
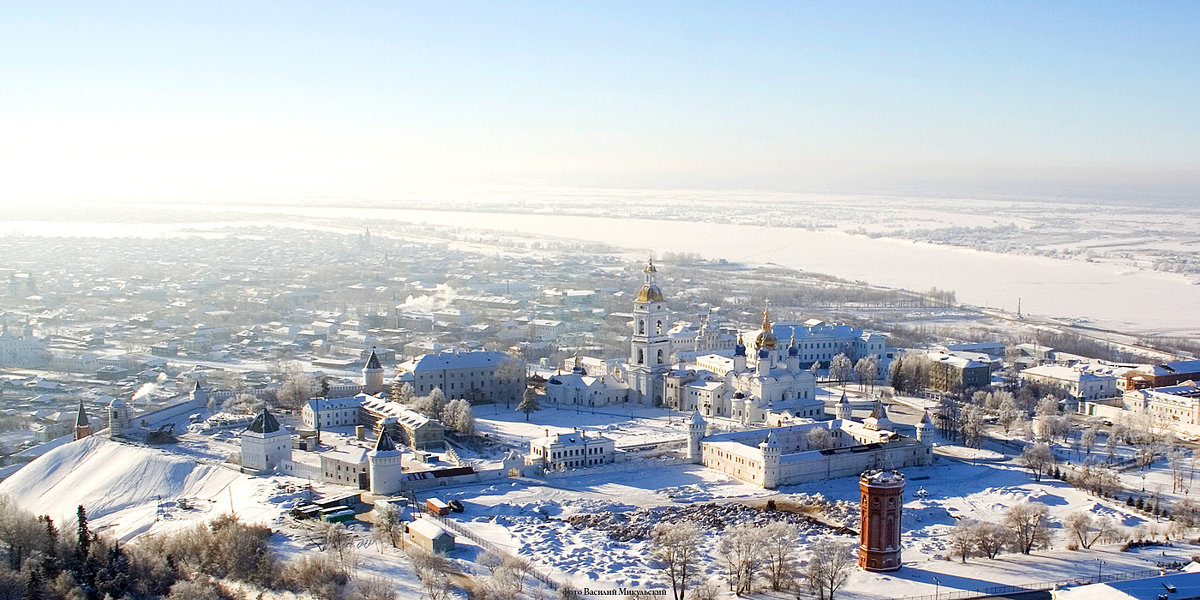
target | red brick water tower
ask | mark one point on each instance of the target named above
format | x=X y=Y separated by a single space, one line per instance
x=882 y=503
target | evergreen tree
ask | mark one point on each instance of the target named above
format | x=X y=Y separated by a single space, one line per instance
x=529 y=403
x=84 y=536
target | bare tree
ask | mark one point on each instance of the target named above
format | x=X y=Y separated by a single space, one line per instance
x=962 y=538
x=1110 y=446
x=1007 y=414
x=819 y=438
x=1177 y=460
x=675 y=548
x=867 y=369
x=1087 y=439
x=1086 y=529
x=829 y=568
x=840 y=368
x=742 y=547
x=1029 y=526
x=780 y=541
x=511 y=371
x=990 y=538
x=1038 y=459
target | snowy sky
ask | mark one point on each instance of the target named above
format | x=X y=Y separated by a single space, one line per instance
x=175 y=100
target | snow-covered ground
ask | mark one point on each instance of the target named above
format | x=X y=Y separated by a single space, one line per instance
x=534 y=519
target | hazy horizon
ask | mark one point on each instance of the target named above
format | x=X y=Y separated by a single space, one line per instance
x=376 y=100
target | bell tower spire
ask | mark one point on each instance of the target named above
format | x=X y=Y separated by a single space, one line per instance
x=649 y=347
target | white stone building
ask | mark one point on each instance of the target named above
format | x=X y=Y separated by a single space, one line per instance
x=571 y=450
x=776 y=456
x=331 y=412
x=1077 y=381
x=265 y=444
x=469 y=375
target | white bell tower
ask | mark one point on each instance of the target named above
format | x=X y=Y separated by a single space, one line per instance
x=649 y=348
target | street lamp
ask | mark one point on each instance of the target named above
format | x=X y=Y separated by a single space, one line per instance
x=1099 y=570
x=937 y=588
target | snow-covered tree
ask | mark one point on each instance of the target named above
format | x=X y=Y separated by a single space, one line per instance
x=829 y=568
x=1087 y=529
x=1038 y=459
x=387 y=528
x=401 y=391
x=742 y=549
x=1087 y=439
x=1007 y=413
x=529 y=403
x=781 y=550
x=459 y=416
x=675 y=548
x=1028 y=524
x=840 y=368
x=819 y=438
x=867 y=369
x=972 y=425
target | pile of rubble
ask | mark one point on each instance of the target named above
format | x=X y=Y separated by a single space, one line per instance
x=636 y=524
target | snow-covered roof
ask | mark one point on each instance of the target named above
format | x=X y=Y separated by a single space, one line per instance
x=455 y=360
x=355 y=455
x=427 y=529
x=334 y=403
x=1186 y=585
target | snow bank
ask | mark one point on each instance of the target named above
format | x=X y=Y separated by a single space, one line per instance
x=128 y=489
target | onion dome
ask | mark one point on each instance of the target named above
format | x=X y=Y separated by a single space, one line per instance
x=764 y=353
x=792 y=349
x=738 y=395
x=765 y=338
x=650 y=291
x=740 y=348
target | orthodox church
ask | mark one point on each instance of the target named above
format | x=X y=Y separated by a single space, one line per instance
x=747 y=389
x=640 y=378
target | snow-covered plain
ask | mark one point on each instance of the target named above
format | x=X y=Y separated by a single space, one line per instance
x=534 y=519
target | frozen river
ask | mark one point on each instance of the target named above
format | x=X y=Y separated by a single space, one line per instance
x=1110 y=296
x=1121 y=298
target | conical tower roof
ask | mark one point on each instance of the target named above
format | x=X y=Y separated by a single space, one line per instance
x=373 y=361
x=385 y=443
x=265 y=422
x=925 y=420
x=696 y=418
x=81 y=419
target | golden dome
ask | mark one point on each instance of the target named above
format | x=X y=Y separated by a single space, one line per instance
x=765 y=338
x=650 y=293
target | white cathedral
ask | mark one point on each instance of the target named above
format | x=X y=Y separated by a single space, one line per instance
x=769 y=385
x=772 y=385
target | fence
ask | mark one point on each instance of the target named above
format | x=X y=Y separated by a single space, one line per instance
x=493 y=548
x=1034 y=587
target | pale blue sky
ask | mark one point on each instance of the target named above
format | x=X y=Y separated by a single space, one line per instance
x=246 y=100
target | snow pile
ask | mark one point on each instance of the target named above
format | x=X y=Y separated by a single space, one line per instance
x=128 y=490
